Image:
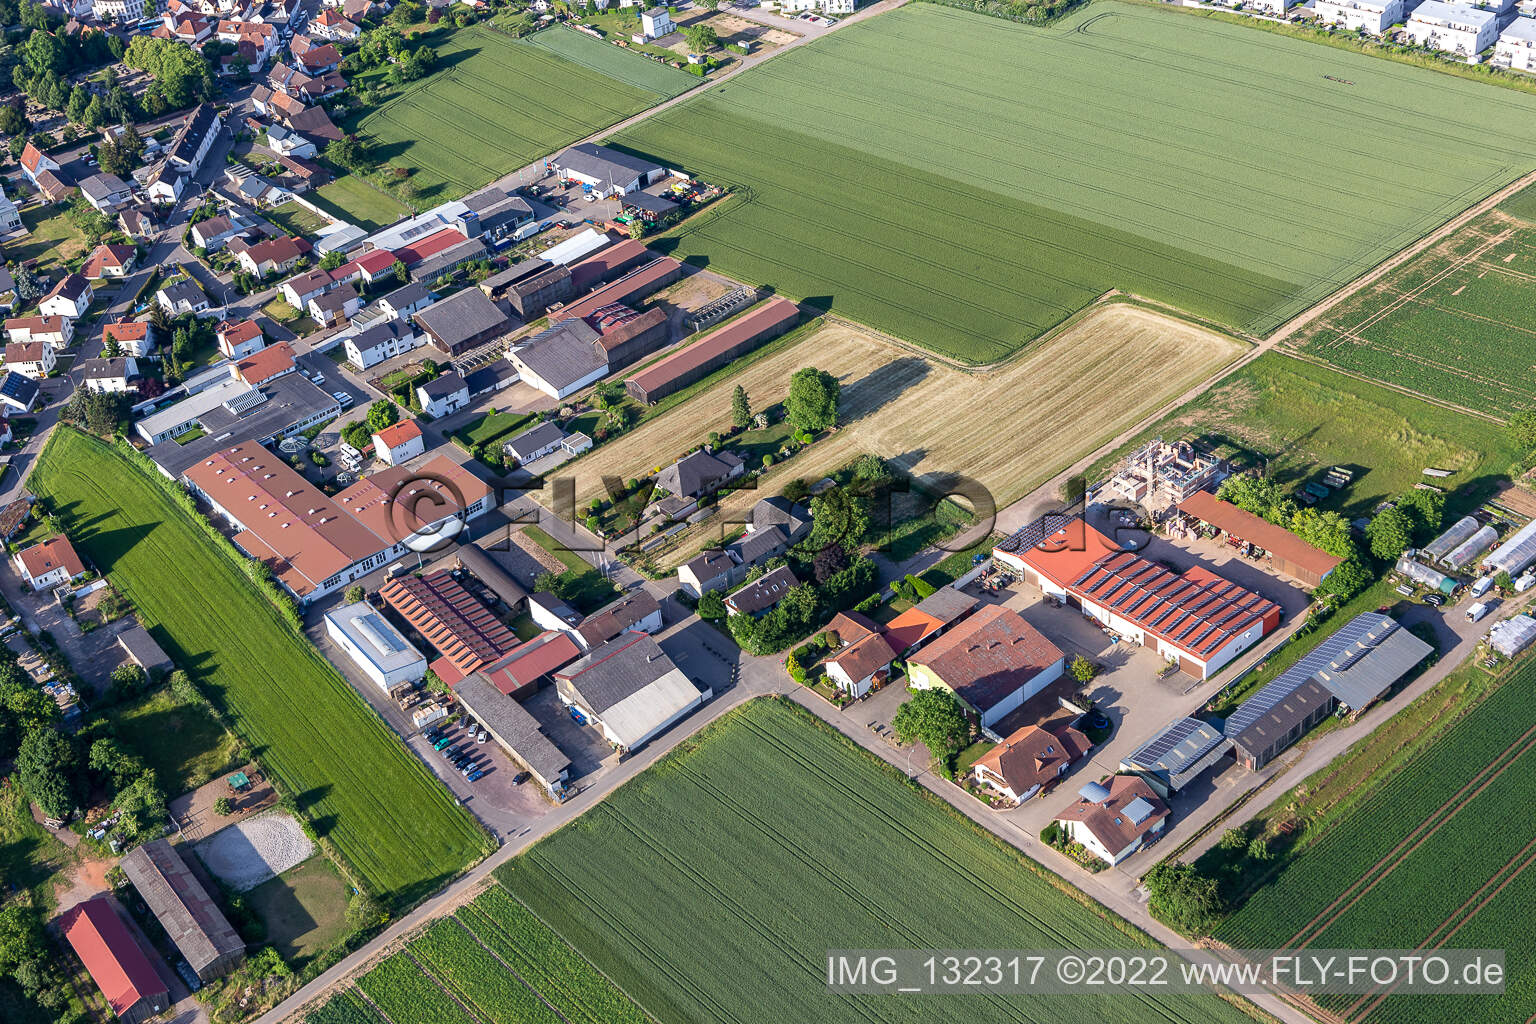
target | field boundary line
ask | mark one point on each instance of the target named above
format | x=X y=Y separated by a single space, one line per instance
x=431 y=976
x=1412 y=294
x=513 y=971
x=1303 y=357
x=1398 y=859
x=365 y=997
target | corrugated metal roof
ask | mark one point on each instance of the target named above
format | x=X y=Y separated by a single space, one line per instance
x=1515 y=553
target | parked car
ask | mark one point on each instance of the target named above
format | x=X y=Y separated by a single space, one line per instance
x=442 y=742
x=1435 y=599
x=521 y=777
x=475 y=775
x=482 y=737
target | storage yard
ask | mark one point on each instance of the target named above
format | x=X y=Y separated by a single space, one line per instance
x=1115 y=366
x=929 y=202
x=1447 y=322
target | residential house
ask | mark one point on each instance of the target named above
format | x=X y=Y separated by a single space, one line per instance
x=608 y=171
x=635 y=612
x=372 y=267
x=927 y=619
x=109 y=261
x=405 y=300
x=288 y=142
x=443 y=395
x=380 y=342
x=136 y=224
x=34 y=162
x=706 y=571
x=212 y=233
x=336 y=306
x=54 y=188
x=190 y=145
x=55 y=331
x=238 y=340
x=655 y=23
x=108 y=376
x=10 y=216
x=1115 y=818
x=1516 y=48
x=165 y=183
x=35 y=359
x=267 y=364
x=106 y=192
x=134 y=338
x=70 y=298
x=185 y=910
x=115 y=960
x=18 y=392
x=330 y=24
x=862 y=658
x=1453 y=28
x=695 y=475
x=184 y=295
x=49 y=563
x=400 y=443
x=993 y=662
x=254 y=41
x=313 y=58
x=534 y=443
x=1030 y=761
x=761 y=595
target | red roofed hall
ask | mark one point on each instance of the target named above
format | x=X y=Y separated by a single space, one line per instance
x=1288 y=554
x=629 y=289
x=272 y=361
x=436 y=242
x=115 y=960
x=993 y=661
x=519 y=673
x=465 y=633
x=708 y=354
x=1196 y=618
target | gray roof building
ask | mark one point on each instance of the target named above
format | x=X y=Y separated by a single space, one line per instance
x=462 y=321
x=631 y=688
x=449 y=260
x=406 y=299
x=780 y=511
x=947 y=604
x=141 y=647
x=490 y=573
x=442 y=386
x=628 y=612
x=1169 y=760
x=698 y=473
x=512 y=726
x=609 y=167
x=762 y=593
x=184 y=909
x=531 y=443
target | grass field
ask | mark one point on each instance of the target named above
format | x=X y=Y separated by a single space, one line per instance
x=494 y=959
x=974 y=182
x=53 y=240
x=304 y=910
x=1448 y=322
x=295 y=219
x=358 y=785
x=355 y=201
x=782 y=840
x=1419 y=863
x=181 y=741
x=498 y=103
x=1297 y=418
x=1003 y=428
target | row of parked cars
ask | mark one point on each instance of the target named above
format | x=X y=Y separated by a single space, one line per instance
x=461 y=749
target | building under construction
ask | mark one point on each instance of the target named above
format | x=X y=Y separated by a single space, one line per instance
x=1160 y=474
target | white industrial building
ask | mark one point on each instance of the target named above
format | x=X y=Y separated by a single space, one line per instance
x=1516 y=48
x=374 y=645
x=1375 y=16
x=1453 y=28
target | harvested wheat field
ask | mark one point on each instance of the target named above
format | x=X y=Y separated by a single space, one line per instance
x=1011 y=428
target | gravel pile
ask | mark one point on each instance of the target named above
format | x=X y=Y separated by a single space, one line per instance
x=249 y=852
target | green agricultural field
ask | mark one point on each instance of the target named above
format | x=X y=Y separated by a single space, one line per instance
x=710 y=887
x=1418 y=863
x=360 y=788
x=1297 y=418
x=1449 y=322
x=357 y=202
x=967 y=183
x=498 y=103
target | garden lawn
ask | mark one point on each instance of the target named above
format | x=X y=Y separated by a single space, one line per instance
x=1450 y=322
x=498 y=103
x=360 y=788
x=975 y=181
x=296 y=220
x=180 y=740
x=304 y=910
x=357 y=202
x=1296 y=419
x=780 y=840
x=53 y=240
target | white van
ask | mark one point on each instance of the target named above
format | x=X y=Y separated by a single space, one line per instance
x=1482 y=586
x=1477 y=611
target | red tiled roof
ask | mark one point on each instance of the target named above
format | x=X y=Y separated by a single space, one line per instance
x=397 y=502
x=398 y=434
x=36 y=324
x=1280 y=542
x=988 y=656
x=278 y=250
x=31 y=157
x=531 y=661
x=1195 y=611
x=110 y=953
x=266 y=364
x=240 y=333
x=53 y=553
x=1107 y=821
x=451 y=619
x=375 y=261
x=1034 y=756
x=910 y=627
x=773 y=315
x=635 y=285
x=438 y=241
x=1063 y=556
x=608 y=262
x=127 y=330
x=103 y=256
x=24 y=352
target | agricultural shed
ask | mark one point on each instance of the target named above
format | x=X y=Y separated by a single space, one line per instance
x=201 y=932
x=516 y=730
x=577 y=247
x=630 y=688
x=1513 y=635
x=1185 y=748
x=1457 y=534
x=1289 y=554
x=520 y=672
x=462 y=321
x=629 y=289
x=610 y=263
x=698 y=360
x=488 y=571
x=116 y=962
x=1515 y=553
x=142 y=649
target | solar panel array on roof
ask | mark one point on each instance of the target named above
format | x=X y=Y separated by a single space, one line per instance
x=1184 y=742
x=1034 y=533
x=1197 y=616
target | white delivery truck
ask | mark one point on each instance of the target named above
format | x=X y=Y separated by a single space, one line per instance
x=1477 y=611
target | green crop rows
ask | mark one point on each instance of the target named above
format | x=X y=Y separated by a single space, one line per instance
x=1449 y=322
x=407 y=995
x=710 y=887
x=1444 y=801
x=344 y=1007
x=390 y=819
x=968 y=184
x=498 y=103
x=477 y=978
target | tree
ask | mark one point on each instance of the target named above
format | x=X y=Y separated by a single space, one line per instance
x=1427 y=508
x=331 y=260
x=224 y=806
x=829 y=561
x=1522 y=427
x=712 y=606
x=741 y=409
x=357 y=435
x=838 y=516
x=1083 y=670
x=381 y=414
x=98 y=412
x=354 y=594
x=13 y=120
x=934 y=718
x=1389 y=534
x=23 y=709
x=402 y=275
x=1503 y=581
x=812 y=403
x=1183 y=898
x=701 y=38
x=1346 y=580
x=29 y=287
x=45 y=767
